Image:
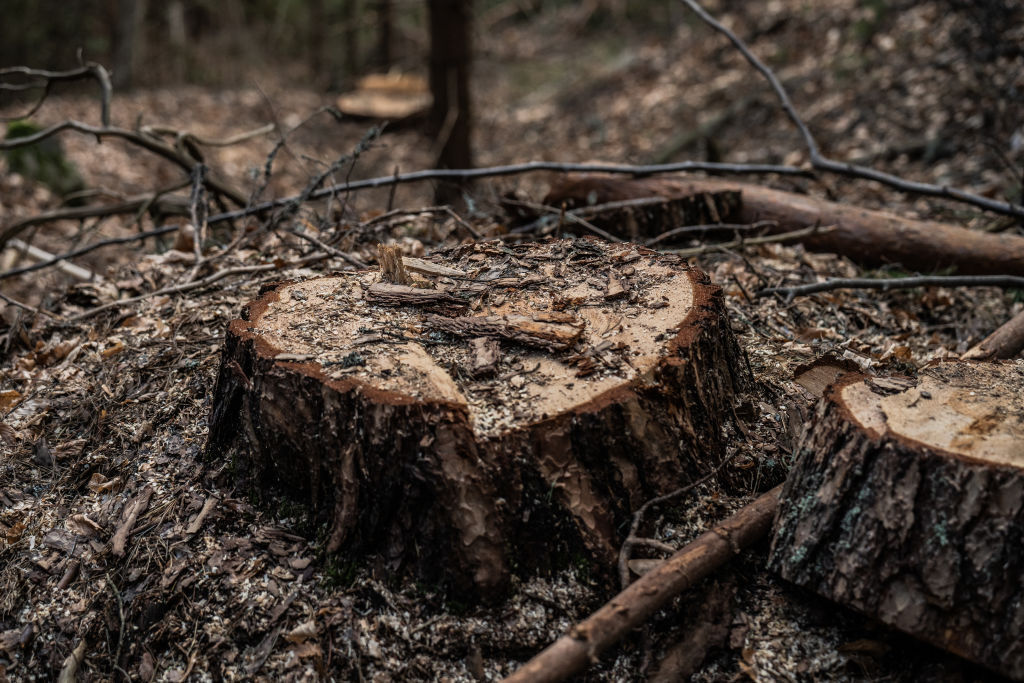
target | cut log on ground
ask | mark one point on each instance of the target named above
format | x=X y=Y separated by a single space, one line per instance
x=517 y=431
x=573 y=652
x=865 y=236
x=907 y=504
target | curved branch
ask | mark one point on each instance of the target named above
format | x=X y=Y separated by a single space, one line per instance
x=822 y=163
x=89 y=69
x=151 y=144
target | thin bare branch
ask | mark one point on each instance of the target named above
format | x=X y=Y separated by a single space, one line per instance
x=752 y=241
x=514 y=169
x=48 y=78
x=691 y=229
x=1005 y=281
x=86 y=249
x=197 y=284
x=151 y=144
x=348 y=258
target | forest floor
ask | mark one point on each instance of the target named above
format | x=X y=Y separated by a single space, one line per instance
x=112 y=408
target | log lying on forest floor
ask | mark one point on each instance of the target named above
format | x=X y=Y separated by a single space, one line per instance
x=907 y=503
x=865 y=236
x=518 y=430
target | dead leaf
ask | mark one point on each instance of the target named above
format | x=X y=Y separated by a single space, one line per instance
x=113 y=350
x=14 y=532
x=100 y=484
x=307 y=649
x=8 y=399
x=8 y=434
x=302 y=632
x=83 y=526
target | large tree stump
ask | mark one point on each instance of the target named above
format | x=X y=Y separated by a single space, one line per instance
x=506 y=410
x=907 y=503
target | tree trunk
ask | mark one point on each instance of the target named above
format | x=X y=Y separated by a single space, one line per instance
x=907 y=503
x=865 y=236
x=384 y=57
x=450 y=121
x=129 y=42
x=507 y=410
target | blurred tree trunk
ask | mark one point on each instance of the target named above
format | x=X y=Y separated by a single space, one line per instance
x=350 y=31
x=177 y=35
x=128 y=42
x=384 y=34
x=317 y=32
x=450 y=117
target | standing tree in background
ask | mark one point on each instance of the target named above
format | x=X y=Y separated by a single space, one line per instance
x=450 y=58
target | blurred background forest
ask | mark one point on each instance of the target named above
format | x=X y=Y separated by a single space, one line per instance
x=325 y=43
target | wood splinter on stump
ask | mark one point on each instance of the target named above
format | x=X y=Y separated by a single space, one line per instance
x=907 y=503
x=506 y=411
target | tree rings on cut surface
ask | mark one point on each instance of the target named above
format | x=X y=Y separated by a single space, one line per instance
x=505 y=411
x=907 y=503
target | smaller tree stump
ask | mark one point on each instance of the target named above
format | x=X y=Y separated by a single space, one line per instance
x=907 y=503
x=505 y=411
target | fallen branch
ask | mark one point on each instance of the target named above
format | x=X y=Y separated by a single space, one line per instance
x=41 y=256
x=886 y=284
x=512 y=169
x=863 y=235
x=1006 y=342
x=822 y=163
x=571 y=653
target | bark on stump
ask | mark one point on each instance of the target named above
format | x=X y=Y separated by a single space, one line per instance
x=506 y=412
x=907 y=504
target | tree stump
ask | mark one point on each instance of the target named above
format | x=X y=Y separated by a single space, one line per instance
x=505 y=411
x=907 y=504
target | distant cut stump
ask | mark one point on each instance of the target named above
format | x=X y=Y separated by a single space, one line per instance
x=907 y=503
x=505 y=411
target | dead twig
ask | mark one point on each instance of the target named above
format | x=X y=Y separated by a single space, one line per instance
x=571 y=216
x=690 y=229
x=822 y=163
x=348 y=258
x=794 y=235
x=585 y=641
x=632 y=540
x=885 y=284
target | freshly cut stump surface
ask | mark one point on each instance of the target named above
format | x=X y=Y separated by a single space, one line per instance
x=907 y=503
x=506 y=410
